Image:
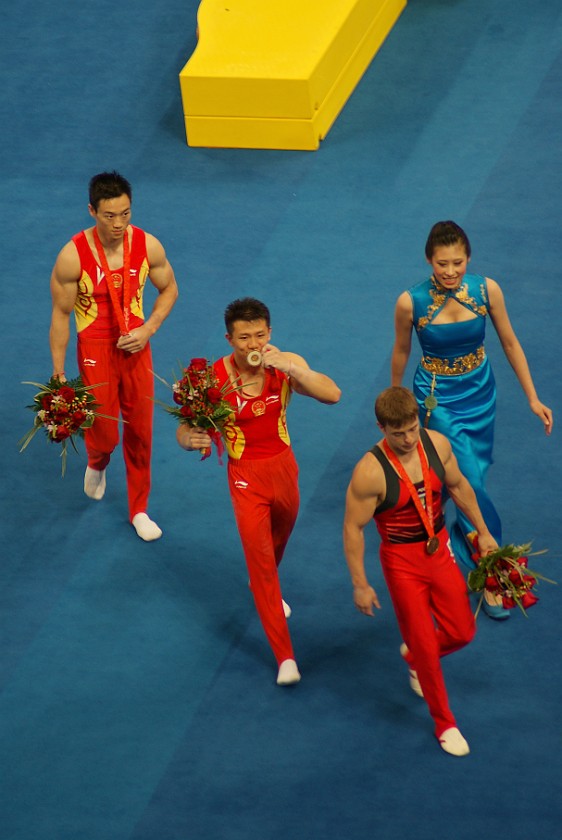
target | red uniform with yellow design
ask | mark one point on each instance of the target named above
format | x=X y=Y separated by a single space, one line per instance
x=125 y=380
x=263 y=483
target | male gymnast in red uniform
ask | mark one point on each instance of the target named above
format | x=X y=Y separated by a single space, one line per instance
x=100 y=275
x=262 y=470
x=399 y=483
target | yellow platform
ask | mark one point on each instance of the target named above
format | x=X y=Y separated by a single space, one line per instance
x=274 y=74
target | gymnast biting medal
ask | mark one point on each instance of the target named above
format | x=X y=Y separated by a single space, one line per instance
x=254 y=358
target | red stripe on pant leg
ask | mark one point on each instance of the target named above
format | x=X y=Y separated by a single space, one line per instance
x=405 y=571
x=253 y=505
x=286 y=505
x=137 y=408
x=103 y=437
x=450 y=604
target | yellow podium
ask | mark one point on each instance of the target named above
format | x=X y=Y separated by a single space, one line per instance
x=274 y=74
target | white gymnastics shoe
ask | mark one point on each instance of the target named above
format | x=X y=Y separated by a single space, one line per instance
x=288 y=673
x=414 y=682
x=453 y=742
x=145 y=527
x=94 y=483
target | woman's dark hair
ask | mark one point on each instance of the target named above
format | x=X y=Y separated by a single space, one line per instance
x=446 y=233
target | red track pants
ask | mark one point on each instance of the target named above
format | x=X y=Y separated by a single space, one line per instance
x=431 y=601
x=265 y=497
x=128 y=385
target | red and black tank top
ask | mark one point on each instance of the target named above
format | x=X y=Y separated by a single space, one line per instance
x=396 y=517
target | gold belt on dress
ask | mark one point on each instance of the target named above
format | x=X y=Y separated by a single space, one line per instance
x=454 y=367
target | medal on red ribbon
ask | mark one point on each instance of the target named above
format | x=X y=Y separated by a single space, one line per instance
x=430 y=402
x=258 y=406
x=426 y=513
x=114 y=280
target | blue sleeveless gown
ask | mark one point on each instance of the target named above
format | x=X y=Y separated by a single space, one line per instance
x=455 y=366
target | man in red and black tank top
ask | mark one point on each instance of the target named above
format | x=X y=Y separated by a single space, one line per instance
x=262 y=471
x=399 y=484
x=100 y=275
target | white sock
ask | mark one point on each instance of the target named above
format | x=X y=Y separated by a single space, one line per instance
x=145 y=527
x=414 y=681
x=453 y=742
x=288 y=673
x=94 y=483
x=286 y=608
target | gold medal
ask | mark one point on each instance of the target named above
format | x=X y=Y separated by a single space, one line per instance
x=432 y=545
x=430 y=403
x=254 y=358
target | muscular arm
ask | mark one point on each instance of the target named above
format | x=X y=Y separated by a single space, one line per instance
x=361 y=501
x=461 y=492
x=304 y=380
x=162 y=277
x=515 y=354
x=64 y=290
x=403 y=323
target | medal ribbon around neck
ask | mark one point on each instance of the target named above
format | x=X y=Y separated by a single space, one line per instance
x=238 y=382
x=121 y=313
x=426 y=513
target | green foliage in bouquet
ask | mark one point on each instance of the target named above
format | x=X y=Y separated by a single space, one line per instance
x=64 y=410
x=200 y=401
x=505 y=573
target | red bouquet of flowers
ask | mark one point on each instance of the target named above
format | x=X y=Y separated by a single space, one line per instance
x=63 y=410
x=505 y=573
x=200 y=401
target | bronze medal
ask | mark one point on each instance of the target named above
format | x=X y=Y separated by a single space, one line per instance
x=425 y=508
x=430 y=402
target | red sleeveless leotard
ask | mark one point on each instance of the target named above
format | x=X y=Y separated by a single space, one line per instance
x=258 y=425
x=93 y=309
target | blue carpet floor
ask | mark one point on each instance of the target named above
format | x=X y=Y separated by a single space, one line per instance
x=137 y=694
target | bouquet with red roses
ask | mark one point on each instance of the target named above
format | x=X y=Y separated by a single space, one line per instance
x=505 y=573
x=200 y=401
x=63 y=410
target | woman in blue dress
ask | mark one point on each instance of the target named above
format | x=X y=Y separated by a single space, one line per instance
x=454 y=383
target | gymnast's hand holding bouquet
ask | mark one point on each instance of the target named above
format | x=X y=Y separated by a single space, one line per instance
x=201 y=408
